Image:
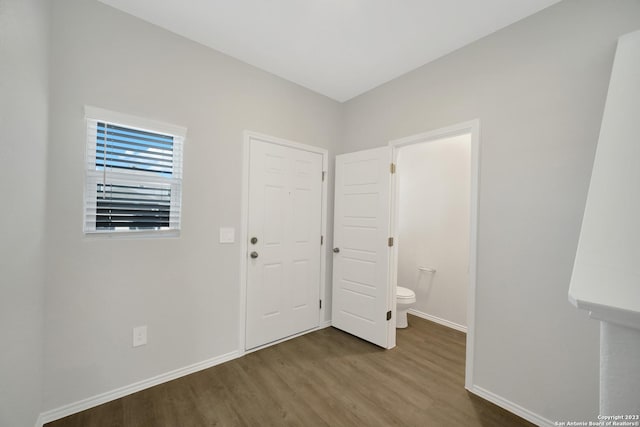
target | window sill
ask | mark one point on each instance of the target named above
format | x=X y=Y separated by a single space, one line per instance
x=143 y=234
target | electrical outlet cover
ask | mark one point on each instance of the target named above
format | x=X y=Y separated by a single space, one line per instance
x=139 y=336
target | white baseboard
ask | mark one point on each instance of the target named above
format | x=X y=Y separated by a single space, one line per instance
x=90 y=402
x=511 y=407
x=435 y=319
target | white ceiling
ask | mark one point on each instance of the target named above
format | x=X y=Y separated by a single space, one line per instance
x=339 y=48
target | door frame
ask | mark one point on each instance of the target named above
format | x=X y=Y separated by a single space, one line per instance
x=471 y=127
x=244 y=225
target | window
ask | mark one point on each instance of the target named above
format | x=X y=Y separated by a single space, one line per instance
x=133 y=174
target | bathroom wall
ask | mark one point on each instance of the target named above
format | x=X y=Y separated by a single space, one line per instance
x=186 y=289
x=434 y=223
x=24 y=94
x=538 y=88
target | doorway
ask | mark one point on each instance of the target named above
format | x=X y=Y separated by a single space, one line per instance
x=433 y=227
x=472 y=129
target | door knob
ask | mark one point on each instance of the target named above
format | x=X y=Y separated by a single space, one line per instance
x=254 y=240
x=336 y=250
x=254 y=255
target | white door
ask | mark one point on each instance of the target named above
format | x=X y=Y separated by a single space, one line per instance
x=362 y=295
x=284 y=229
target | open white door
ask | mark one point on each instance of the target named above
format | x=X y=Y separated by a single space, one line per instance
x=363 y=302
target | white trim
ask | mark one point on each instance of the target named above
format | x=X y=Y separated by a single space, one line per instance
x=285 y=142
x=99 y=399
x=325 y=324
x=608 y=313
x=244 y=246
x=244 y=218
x=135 y=122
x=39 y=421
x=439 y=320
x=323 y=248
x=472 y=127
x=392 y=273
x=132 y=234
x=93 y=115
x=511 y=407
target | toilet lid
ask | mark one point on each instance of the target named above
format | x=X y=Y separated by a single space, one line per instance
x=403 y=292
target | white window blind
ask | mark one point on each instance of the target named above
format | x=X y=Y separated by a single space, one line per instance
x=133 y=174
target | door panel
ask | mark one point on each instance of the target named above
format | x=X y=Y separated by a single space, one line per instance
x=283 y=282
x=361 y=280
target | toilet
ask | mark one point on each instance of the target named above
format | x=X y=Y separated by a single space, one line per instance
x=405 y=298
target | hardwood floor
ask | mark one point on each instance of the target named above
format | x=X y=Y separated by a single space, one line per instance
x=325 y=378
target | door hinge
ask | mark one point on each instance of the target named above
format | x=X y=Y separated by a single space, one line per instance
x=321 y=240
x=320 y=303
x=389 y=315
x=393 y=168
x=323 y=175
x=390 y=242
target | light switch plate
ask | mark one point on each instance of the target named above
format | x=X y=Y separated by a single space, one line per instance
x=227 y=235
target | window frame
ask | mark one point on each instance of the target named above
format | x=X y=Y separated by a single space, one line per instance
x=93 y=176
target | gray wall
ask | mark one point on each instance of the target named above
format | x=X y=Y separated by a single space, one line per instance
x=538 y=88
x=24 y=50
x=185 y=289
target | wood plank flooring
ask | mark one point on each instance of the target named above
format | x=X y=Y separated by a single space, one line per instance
x=325 y=378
